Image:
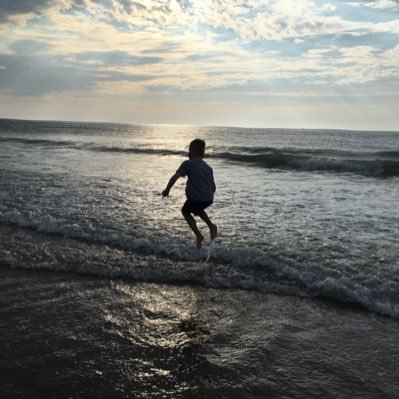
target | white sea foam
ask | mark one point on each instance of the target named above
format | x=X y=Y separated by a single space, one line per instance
x=241 y=267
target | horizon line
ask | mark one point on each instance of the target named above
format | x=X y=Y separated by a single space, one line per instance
x=194 y=125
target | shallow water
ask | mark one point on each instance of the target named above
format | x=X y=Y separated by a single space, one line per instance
x=90 y=337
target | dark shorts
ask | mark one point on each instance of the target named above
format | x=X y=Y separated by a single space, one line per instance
x=195 y=207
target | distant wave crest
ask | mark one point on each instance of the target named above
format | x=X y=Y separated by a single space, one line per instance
x=378 y=164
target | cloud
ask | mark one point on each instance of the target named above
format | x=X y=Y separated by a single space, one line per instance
x=28 y=46
x=155 y=44
x=282 y=19
x=349 y=66
x=249 y=19
x=132 y=13
x=33 y=70
x=10 y=8
x=115 y=76
x=377 y=4
x=34 y=76
x=116 y=58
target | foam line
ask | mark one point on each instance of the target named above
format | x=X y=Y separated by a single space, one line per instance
x=240 y=267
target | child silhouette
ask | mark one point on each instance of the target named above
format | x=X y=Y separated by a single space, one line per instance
x=200 y=189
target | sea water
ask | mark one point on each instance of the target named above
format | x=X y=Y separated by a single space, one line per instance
x=300 y=213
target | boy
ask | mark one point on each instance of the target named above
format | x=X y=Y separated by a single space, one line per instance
x=200 y=188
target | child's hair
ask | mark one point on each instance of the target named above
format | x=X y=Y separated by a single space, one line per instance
x=197 y=147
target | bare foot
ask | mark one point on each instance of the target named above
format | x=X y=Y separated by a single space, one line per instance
x=200 y=238
x=214 y=231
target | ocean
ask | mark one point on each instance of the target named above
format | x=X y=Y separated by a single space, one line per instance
x=103 y=293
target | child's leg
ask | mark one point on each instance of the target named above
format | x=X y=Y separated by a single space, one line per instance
x=212 y=227
x=191 y=222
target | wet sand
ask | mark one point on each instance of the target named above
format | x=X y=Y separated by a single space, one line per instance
x=65 y=335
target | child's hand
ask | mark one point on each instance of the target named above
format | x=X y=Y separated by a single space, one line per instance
x=165 y=193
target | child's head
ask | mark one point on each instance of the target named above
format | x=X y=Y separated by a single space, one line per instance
x=197 y=148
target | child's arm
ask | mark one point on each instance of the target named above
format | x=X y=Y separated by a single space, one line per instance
x=172 y=181
x=213 y=185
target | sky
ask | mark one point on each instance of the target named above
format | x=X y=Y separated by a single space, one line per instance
x=271 y=63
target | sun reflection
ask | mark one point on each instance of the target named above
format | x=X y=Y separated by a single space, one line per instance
x=161 y=334
x=155 y=316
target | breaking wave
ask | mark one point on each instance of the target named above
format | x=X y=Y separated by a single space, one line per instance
x=215 y=266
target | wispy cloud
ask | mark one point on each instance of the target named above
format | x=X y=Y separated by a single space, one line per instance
x=377 y=4
x=116 y=58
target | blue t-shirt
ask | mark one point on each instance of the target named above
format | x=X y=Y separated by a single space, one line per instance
x=199 y=179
